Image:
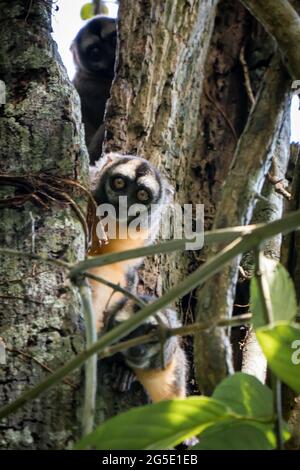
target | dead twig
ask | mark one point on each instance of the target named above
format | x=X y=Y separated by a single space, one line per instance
x=37 y=361
x=222 y=112
x=247 y=76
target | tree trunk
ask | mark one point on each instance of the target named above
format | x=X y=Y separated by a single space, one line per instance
x=41 y=141
x=181 y=98
x=154 y=112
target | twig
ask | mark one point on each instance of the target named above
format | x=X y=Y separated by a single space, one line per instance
x=28 y=11
x=164 y=333
x=243 y=273
x=97 y=6
x=265 y=297
x=43 y=188
x=263 y=288
x=286 y=224
x=33 y=256
x=276 y=387
x=279 y=186
x=43 y=366
x=32 y=232
x=116 y=287
x=216 y=236
x=247 y=174
x=246 y=76
x=23 y=299
x=91 y=363
x=222 y=112
x=283 y=23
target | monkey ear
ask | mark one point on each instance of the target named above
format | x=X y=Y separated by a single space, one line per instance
x=104 y=161
x=96 y=170
x=94 y=174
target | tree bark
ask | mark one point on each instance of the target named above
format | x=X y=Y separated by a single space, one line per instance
x=282 y=21
x=267 y=210
x=242 y=183
x=154 y=112
x=180 y=99
x=40 y=313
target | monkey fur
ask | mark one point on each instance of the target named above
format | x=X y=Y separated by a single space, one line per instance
x=160 y=367
x=140 y=183
x=94 y=52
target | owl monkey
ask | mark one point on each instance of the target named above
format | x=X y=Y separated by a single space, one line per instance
x=133 y=192
x=94 y=52
x=160 y=367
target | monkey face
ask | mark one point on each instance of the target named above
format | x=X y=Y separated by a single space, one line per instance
x=141 y=356
x=149 y=355
x=94 y=47
x=131 y=181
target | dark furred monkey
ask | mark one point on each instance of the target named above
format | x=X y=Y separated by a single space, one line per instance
x=94 y=51
x=162 y=381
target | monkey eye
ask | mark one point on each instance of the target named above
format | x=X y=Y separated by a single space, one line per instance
x=143 y=195
x=94 y=53
x=118 y=183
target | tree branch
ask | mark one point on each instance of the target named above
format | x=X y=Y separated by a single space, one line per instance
x=283 y=23
x=116 y=287
x=254 y=361
x=91 y=364
x=246 y=177
x=265 y=297
x=188 y=330
x=97 y=6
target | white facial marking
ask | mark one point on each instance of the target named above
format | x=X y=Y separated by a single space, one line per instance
x=149 y=181
x=127 y=169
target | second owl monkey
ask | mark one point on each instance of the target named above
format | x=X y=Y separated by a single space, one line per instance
x=94 y=52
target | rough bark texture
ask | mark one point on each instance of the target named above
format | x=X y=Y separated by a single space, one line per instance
x=180 y=100
x=279 y=18
x=154 y=111
x=40 y=133
x=244 y=180
x=254 y=361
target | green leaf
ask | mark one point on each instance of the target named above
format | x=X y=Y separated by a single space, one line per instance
x=246 y=396
x=282 y=294
x=281 y=346
x=87 y=11
x=157 y=426
x=238 y=435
